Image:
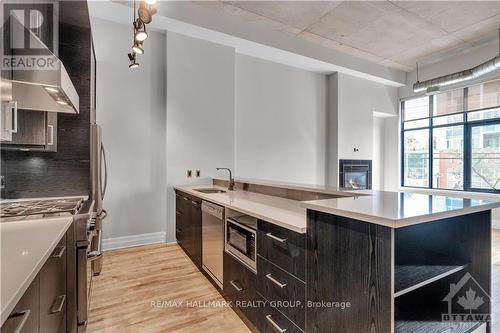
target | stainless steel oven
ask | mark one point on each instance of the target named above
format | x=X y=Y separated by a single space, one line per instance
x=241 y=239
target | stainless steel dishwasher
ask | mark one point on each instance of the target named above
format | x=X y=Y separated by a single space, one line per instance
x=212 y=225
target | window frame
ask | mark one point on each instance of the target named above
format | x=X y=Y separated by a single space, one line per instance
x=467 y=144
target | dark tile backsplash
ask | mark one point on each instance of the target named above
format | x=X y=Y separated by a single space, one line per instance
x=66 y=172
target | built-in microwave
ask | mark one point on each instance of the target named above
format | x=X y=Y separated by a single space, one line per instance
x=241 y=239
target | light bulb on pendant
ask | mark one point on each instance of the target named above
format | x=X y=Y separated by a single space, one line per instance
x=141 y=36
x=140 y=31
x=133 y=63
x=137 y=48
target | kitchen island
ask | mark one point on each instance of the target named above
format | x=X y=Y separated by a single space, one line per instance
x=359 y=262
x=405 y=262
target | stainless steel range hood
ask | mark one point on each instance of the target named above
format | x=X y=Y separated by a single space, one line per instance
x=40 y=82
x=45 y=90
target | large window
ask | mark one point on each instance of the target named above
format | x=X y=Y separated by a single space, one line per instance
x=452 y=140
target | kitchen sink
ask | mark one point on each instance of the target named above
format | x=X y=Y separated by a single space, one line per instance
x=210 y=190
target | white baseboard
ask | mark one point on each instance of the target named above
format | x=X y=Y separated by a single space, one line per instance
x=134 y=240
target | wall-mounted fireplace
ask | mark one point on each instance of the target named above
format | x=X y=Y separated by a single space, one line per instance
x=355 y=174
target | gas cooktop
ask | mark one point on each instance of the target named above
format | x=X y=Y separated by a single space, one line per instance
x=29 y=209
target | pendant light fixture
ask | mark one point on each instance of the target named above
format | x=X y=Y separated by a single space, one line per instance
x=146 y=11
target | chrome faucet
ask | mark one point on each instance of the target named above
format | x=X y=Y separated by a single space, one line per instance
x=231 y=179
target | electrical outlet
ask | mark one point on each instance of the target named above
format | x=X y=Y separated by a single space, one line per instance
x=198 y=173
x=190 y=173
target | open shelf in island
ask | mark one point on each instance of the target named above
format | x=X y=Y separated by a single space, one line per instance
x=436 y=327
x=411 y=277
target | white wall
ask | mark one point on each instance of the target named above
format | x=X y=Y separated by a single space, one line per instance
x=378 y=153
x=200 y=112
x=280 y=122
x=131 y=111
x=351 y=107
x=357 y=100
x=332 y=121
x=392 y=173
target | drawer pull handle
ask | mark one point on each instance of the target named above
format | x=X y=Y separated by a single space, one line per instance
x=179 y=230
x=58 y=304
x=276 y=326
x=25 y=314
x=235 y=286
x=276 y=238
x=60 y=251
x=276 y=282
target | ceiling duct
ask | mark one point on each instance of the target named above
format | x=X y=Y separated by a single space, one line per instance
x=433 y=85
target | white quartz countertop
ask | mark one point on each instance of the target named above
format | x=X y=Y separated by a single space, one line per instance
x=283 y=212
x=24 y=248
x=399 y=209
x=392 y=209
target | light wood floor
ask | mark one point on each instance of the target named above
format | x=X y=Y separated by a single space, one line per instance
x=133 y=278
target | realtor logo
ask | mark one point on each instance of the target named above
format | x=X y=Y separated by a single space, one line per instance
x=467 y=301
x=29 y=33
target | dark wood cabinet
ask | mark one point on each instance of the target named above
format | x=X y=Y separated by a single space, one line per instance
x=270 y=320
x=195 y=232
x=43 y=306
x=30 y=128
x=53 y=291
x=26 y=310
x=36 y=130
x=240 y=285
x=179 y=220
x=283 y=289
x=281 y=262
x=51 y=130
x=282 y=247
x=188 y=226
x=185 y=224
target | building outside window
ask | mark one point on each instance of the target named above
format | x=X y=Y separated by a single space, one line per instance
x=451 y=140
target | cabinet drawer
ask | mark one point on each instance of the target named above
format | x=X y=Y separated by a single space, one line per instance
x=53 y=291
x=283 y=248
x=25 y=316
x=286 y=291
x=239 y=285
x=270 y=320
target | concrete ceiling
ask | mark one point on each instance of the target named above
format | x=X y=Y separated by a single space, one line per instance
x=395 y=34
